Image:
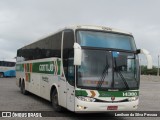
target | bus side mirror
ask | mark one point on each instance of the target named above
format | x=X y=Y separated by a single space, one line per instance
x=77 y=54
x=148 y=56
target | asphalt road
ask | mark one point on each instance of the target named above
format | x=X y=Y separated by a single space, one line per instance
x=11 y=99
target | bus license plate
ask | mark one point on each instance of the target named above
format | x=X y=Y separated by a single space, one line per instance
x=112 y=108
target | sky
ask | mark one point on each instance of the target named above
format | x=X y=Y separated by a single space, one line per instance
x=25 y=21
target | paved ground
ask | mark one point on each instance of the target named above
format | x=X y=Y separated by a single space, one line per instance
x=11 y=99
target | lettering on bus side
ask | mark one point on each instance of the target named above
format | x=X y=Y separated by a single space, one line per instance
x=44 y=67
x=130 y=93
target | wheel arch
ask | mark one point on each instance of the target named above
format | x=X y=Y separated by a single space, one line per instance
x=53 y=87
x=21 y=80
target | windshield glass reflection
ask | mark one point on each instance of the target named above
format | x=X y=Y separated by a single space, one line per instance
x=108 y=70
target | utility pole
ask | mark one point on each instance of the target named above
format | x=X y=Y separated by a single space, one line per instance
x=158 y=67
x=140 y=66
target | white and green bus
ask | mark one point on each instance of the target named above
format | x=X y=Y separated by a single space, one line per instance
x=83 y=69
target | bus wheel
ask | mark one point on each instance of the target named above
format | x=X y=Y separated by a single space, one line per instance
x=55 y=104
x=1 y=75
x=23 y=91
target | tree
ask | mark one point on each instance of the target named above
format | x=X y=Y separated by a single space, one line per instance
x=145 y=71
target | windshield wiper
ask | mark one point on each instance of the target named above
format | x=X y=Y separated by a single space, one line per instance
x=104 y=73
x=120 y=74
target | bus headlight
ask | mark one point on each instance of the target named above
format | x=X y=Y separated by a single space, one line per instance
x=87 y=99
x=133 y=98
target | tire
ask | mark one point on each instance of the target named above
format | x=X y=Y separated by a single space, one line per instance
x=55 y=104
x=20 y=84
x=23 y=91
x=1 y=75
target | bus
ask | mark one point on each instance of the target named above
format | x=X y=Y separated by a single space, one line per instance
x=7 y=68
x=83 y=69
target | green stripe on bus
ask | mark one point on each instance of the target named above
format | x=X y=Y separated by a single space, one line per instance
x=108 y=93
x=81 y=93
x=118 y=93
x=59 y=67
x=40 y=67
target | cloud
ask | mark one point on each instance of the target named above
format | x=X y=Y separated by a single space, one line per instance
x=25 y=21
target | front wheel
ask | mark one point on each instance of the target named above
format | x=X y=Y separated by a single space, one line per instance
x=55 y=104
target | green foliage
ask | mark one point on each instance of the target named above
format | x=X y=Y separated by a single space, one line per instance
x=145 y=71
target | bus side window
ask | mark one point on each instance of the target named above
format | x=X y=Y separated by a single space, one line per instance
x=44 y=48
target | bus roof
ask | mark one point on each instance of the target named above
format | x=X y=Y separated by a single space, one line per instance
x=87 y=27
x=101 y=28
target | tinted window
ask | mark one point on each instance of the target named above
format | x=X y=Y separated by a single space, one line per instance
x=7 y=63
x=45 y=48
x=68 y=66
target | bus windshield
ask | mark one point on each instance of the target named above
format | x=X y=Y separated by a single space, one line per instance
x=105 y=40
x=108 y=70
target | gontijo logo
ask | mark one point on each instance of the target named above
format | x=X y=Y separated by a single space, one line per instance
x=46 y=67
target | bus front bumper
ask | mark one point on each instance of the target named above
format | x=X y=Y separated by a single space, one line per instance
x=82 y=106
